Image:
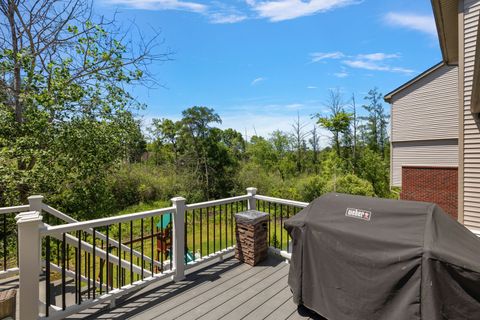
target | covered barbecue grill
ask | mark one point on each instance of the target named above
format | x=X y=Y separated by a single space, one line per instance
x=365 y=258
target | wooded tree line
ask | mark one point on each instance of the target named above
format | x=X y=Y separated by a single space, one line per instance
x=69 y=127
x=290 y=163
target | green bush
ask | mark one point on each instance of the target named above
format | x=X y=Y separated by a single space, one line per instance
x=310 y=188
x=138 y=183
x=350 y=184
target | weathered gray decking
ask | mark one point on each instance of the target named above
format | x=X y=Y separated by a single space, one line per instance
x=225 y=290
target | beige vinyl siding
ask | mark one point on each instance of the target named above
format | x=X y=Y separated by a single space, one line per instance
x=471 y=132
x=438 y=153
x=427 y=109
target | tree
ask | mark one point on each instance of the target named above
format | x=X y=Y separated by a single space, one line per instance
x=281 y=143
x=376 y=122
x=315 y=144
x=197 y=134
x=298 y=139
x=64 y=72
x=338 y=120
x=355 y=124
x=166 y=133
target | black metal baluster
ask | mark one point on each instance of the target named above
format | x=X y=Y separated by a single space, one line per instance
x=193 y=234
x=131 y=251
x=275 y=224
x=281 y=226
x=269 y=223
x=231 y=224
x=208 y=232
x=162 y=244
x=107 y=260
x=185 y=235
x=88 y=275
x=226 y=226
x=142 y=262
x=68 y=256
x=47 y=275
x=58 y=252
x=79 y=268
x=214 y=236
x=5 y=242
x=138 y=264
x=85 y=269
x=64 y=240
x=220 y=226
x=124 y=272
x=201 y=234
x=119 y=270
x=101 y=269
x=152 y=246
x=171 y=243
x=94 y=242
x=288 y=236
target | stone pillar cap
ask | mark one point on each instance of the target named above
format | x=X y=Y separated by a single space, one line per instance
x=251 y=217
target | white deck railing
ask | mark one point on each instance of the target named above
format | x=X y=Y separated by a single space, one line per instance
x=36 y=252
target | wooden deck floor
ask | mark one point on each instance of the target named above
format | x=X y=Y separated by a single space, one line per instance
x=225 y=290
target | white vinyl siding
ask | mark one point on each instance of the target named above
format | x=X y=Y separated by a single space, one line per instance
x=427 y=109
x=471 y=134
x=432 y=153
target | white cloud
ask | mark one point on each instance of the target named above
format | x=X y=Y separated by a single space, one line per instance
x=279 y=10
x=417 y=22
x=379 y=56
x=319 y=56
x=374 y=66
x=257 y=81
x=226 y=18
x=161 y=5
x=377 y=61
x=311 y=87
x=341 y=74
x=216 y=12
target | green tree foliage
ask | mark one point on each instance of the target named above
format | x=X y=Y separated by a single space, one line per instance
x=350 y=184
x=337 y=121
x=205 y=155
x=376 y=121
x=66 y=116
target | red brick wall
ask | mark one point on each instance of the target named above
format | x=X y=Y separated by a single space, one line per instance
x=432 y=184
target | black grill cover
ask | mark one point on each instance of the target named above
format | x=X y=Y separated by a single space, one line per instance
x=365 y=258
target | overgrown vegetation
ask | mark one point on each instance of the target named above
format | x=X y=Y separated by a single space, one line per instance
x=68 y=127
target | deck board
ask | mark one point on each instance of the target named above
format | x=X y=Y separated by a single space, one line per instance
x=223 y=290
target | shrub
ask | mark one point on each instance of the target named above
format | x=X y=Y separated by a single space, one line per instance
x=310 y=188
x=350 y=184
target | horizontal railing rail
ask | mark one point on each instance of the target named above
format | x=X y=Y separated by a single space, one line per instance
x=287 y=202
x=102 y=222
x=279 y=210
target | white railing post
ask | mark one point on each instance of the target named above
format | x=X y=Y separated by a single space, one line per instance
x=29 y=224
x=179 y=204
x=252 y=204
x=36 y=203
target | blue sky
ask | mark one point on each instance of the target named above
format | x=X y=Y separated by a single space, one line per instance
x=258 y=63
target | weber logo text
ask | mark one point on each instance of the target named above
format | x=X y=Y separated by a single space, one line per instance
x=358 y=214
